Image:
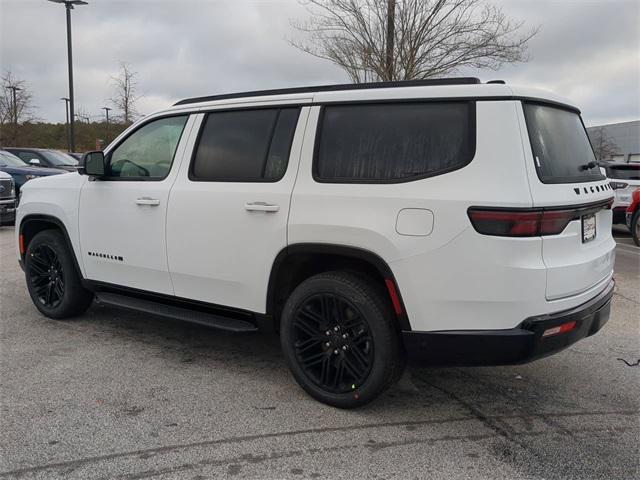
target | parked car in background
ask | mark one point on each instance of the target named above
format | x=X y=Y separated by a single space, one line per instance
x=625 y=178
x=633 y=216
x=45 y=157
x=21 y=172
x=7 y=199
x=76 y=155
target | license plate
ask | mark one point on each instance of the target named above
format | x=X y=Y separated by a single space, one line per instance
x=588 y=228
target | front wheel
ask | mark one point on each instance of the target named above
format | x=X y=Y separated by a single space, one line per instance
x=635 y=227
x=339 y=339
x=53 y=281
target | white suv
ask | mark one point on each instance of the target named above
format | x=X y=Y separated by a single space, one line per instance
x=625 y=178
x=446 y=222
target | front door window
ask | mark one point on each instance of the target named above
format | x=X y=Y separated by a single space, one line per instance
x=148 y=152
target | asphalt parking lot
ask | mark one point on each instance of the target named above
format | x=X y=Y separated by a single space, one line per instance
x=116 y=394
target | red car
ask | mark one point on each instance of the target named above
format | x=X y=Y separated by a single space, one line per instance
x=633 y=216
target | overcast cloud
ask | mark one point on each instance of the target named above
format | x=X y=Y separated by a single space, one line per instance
x=588 y=51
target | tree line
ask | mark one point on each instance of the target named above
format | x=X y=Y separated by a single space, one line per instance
x=21 y=127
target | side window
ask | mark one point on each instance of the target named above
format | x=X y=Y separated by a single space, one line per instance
x=148 y=152
x=26 y=156
x=386 y=143
x=245 y=145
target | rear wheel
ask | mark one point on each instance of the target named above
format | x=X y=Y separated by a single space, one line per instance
x=339 y=340
x=635 y=227
x=53 y=281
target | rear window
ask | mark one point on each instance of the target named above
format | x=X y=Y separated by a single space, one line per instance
x=561 y=149
x=388 y=143
x=624 y=172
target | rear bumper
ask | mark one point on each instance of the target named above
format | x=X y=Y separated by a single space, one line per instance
x=513 y=346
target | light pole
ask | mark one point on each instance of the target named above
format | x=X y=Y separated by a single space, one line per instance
x=69 y=6
x=15 y=111
x=66 y=122
x=106 y=111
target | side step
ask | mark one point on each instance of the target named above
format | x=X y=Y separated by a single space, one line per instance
x=177 y=313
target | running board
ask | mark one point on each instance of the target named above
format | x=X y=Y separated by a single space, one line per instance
x=176 y=313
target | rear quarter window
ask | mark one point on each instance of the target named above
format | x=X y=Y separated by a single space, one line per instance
x=393 y=142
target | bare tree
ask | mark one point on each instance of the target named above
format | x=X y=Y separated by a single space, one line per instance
x=125 y=94
x=603 y=145
x=374 y=40
x=16 y=107
x=82 y=115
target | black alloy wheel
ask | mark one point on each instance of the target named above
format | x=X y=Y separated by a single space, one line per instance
x=339 y=337
x=53 y=278
x=333 y=343
x=47 y=276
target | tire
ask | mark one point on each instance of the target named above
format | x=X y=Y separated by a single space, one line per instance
x=53 y=280
x=339 y=340
x=635 y=227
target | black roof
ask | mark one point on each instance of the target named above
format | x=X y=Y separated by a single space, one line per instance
x=334 y=88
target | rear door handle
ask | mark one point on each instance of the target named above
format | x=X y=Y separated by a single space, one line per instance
x=261 y=207
x=154 y=202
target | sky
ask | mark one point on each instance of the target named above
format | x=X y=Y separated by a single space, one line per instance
x=586 y=50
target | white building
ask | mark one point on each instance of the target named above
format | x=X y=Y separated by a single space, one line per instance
x=625 y=136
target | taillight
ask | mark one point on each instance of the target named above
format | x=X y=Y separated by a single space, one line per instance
x=520 y=223
x=555 y=221
x=618 y=185
x=505 y=223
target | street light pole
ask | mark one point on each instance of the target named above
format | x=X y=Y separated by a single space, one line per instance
x=66 y=122
x=15 y=111
x=69 y=6
x=106 y=111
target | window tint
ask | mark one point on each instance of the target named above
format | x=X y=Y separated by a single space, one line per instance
x=278 y=156
x=149 y=151
x=624 y=172
x=245 y=145
x=27 y=156
x=59 y=158
x=393 y=142
x=560 y=145
x=9 y=160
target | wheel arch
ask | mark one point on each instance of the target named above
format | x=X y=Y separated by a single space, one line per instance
x=33 y=224
x=295 y=263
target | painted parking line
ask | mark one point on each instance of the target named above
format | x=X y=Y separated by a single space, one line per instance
x=635 y=251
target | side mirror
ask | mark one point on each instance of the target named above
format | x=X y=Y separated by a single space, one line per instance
x=92 y=164
x=34 y=161
x=603 y=171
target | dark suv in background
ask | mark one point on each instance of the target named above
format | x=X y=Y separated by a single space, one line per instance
x=21 y=172
x=44 y=157
x=7 y=199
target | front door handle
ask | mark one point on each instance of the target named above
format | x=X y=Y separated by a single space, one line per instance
x=154 y=202
x=261 y=207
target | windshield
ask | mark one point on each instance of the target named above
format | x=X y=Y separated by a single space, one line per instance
x=59 y=158
x=623 y=172
x=561 y=148
x=10 y=160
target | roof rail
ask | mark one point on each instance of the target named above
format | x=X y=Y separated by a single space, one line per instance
x=335 y=88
